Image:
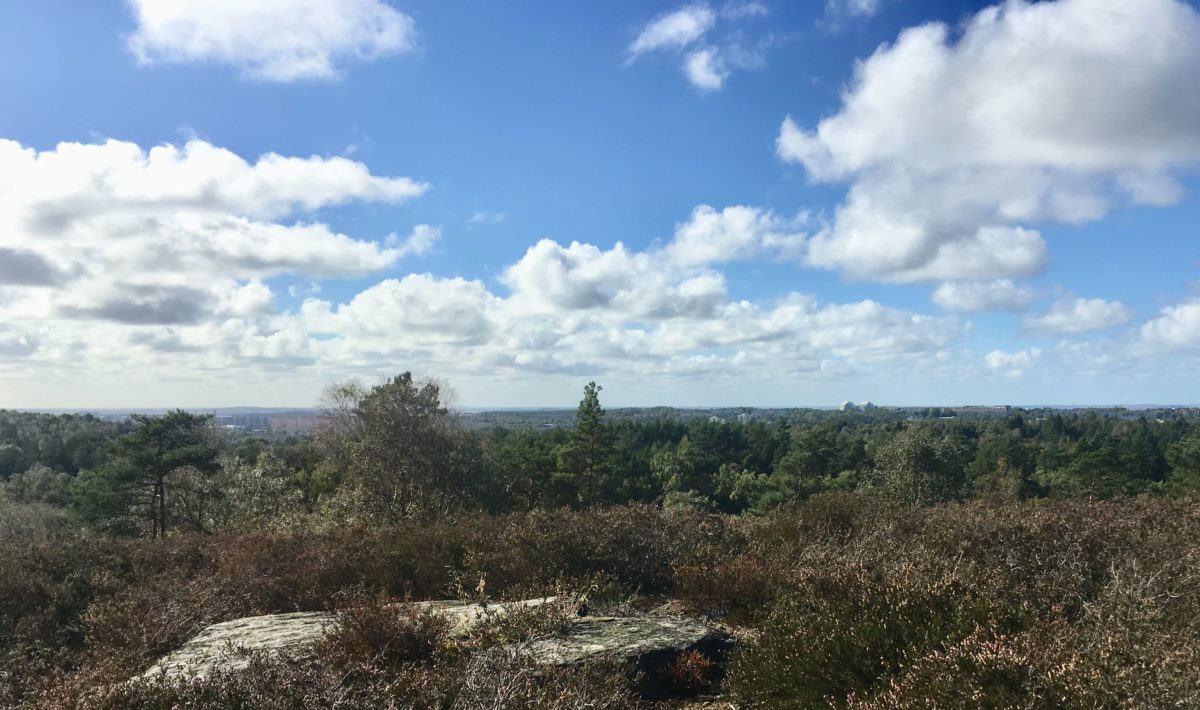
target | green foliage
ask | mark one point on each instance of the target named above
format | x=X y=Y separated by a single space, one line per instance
x=397 y=452
x=61 y=442
x=916 y=467
x=136 y=490
x=1184 y=459
x=39 y=484
x=245 y=496
x=524 y=468
x=844 y=630
x=585 y=457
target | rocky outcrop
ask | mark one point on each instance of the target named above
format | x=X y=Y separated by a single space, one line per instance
x=649 y=642
x=228 y=645
x=624 y=637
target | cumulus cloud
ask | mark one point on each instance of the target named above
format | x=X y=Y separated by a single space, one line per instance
x=180 y=281
x=1174 y=327
x=418 y=309
x=83 y=179
x=467 y=329
x=1079 y=315
x=177 y=235
x=271 y=40
x=1012 y=364
x=675 y=280
x=706 y=62
x=975 y=296
x=1038 y=112
x=734 y=233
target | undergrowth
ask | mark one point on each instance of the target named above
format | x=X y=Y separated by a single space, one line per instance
x=846 y=601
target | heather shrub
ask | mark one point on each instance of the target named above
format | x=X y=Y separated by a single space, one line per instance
x=635 y=546
x=500 y=680
x=977 y=671
x=736 y=589
x=492 y=680
x=692 y=672
x=270 y=683
x=844 y=629
x=849 y=599
x=523 y=624
x=376 y=636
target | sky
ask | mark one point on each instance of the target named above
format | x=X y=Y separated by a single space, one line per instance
x=913 y=202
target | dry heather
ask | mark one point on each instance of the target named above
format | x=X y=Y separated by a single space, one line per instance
x=847 y=601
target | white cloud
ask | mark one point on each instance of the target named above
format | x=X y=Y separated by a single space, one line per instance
x=182 y=309
x=554 y=279
x=673 y=281
x=852 y=8
x=1012 y=364
x=706 y=64
x=975 y=296
x=112 y=177
x=1175 y=327
x=1079 y=315
x=247 y=300
x=417 y=310
x=1045 y=112
x=706 y=69
x=485 y=218
x=418 y=243
x=674 y=30
x=114 y=233
x=462 y=328
x=733 y=234
x=744 y=10
x=273 y=40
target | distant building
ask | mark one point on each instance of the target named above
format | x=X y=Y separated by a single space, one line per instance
x=296 y=424
x=242 y=422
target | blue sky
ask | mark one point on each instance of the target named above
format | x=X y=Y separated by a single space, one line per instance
x=744 y=203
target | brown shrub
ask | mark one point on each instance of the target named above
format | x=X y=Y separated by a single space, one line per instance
x=1069 y=603
x=375 y=635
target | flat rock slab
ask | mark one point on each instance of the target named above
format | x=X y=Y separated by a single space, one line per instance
x=622 y=637
x=228 y=645
x=650 y=642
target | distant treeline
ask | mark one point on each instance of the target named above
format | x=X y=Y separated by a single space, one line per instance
x=394 y=452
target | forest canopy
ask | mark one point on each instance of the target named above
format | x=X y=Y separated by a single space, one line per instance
x=397 y=450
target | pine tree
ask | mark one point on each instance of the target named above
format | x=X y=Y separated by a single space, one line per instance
x=587 y=453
